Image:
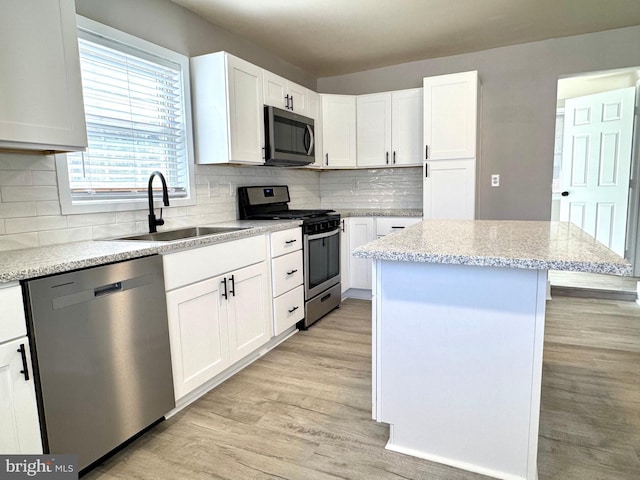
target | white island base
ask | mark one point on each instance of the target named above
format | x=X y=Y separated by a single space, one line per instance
x=457 y=363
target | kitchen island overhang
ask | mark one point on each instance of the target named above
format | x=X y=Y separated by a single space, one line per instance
x=458 y=333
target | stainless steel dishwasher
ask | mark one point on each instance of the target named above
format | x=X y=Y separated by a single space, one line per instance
x=101 y=355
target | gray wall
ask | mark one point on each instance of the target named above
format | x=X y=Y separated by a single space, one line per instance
x=518 y=108
x=176 y=28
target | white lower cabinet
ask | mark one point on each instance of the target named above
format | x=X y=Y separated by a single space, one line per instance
x=357 y=231
x=249 y=310
x=361 y=231
x=198 y=331
x=287 y=279
x=345 y=255
x=219 y=308
x=20 y=427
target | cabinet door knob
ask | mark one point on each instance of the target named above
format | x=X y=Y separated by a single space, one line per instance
x=327 y=159
x=292 y=272
x=426 y=152
x=565 y=194
x=232 y=285
x=291 y=310
x=387 y=155
x=286 y=100
x=394 y=157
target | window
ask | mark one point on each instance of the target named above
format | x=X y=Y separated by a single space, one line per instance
x=137 y=114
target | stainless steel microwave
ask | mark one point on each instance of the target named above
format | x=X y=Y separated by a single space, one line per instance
x=289 y=138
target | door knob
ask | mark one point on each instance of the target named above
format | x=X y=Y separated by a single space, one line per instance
x=565 y=194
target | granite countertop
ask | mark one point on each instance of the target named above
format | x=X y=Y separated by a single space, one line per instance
x=378 y=212
x=37 y=262
x=512 y=244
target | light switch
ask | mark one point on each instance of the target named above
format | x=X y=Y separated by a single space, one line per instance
x=495 y=180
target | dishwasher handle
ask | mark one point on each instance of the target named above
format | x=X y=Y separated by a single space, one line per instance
x=107 y=289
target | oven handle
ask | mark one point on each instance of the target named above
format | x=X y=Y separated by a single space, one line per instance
x=316 y=236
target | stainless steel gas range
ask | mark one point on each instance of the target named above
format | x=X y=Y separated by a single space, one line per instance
x=321 y=244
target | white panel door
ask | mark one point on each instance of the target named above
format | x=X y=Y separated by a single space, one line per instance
x=198 y=334
x=450 y=115
x=449 y=189
x=20 y=431
x=246 y=114
x=407 y=126
x=596 y=160
x=374 y=130
x=249 y=310
x=339 y=130
x=361 y=231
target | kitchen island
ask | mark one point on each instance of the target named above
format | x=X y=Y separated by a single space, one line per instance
x=458 y=332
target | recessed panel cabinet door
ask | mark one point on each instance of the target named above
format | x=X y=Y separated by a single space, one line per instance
x=41 y=104
x=374 y=130
x=339 y=130
x=246 y=114
x=449 y=189
x=450 y=115
x=249 y=309
x=20 y=430
x=407 y=127
x=198 y=333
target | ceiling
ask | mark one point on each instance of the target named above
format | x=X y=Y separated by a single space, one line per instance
x=333 y=37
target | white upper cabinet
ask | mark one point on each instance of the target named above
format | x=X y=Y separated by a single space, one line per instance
x=41 y=106
x=406 y=126
x=339 y=131
x=228 y=109
x=390 y=128
x=450 y=116
x=280 y=92
x=374 y=129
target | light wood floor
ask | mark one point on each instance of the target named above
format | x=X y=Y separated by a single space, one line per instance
x=303 y=411
x=593 y=281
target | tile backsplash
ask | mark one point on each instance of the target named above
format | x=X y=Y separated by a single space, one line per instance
x=30 y=214
x=381 y=188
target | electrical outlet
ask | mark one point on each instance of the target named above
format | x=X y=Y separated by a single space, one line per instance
x=495 y=180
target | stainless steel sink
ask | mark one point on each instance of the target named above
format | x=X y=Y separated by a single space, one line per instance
x=182 y=233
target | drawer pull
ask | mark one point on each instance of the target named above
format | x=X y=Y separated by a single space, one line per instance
x=291 y=310
x=290 y=241
x=25 y=369
x=292 y=271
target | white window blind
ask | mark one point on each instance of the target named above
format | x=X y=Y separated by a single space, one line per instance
x=135 y=115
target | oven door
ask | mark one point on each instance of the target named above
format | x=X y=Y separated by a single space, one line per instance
x=321 y=262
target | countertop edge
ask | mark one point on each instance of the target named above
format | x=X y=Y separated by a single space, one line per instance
x=17 y=265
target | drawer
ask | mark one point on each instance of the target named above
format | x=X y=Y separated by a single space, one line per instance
x=12 y=321
x=190 y=266
x=288 y=309
x=286 y=241
x=286 y=272
x=387 y=225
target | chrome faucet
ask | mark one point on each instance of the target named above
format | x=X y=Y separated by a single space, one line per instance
x=153 y=222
